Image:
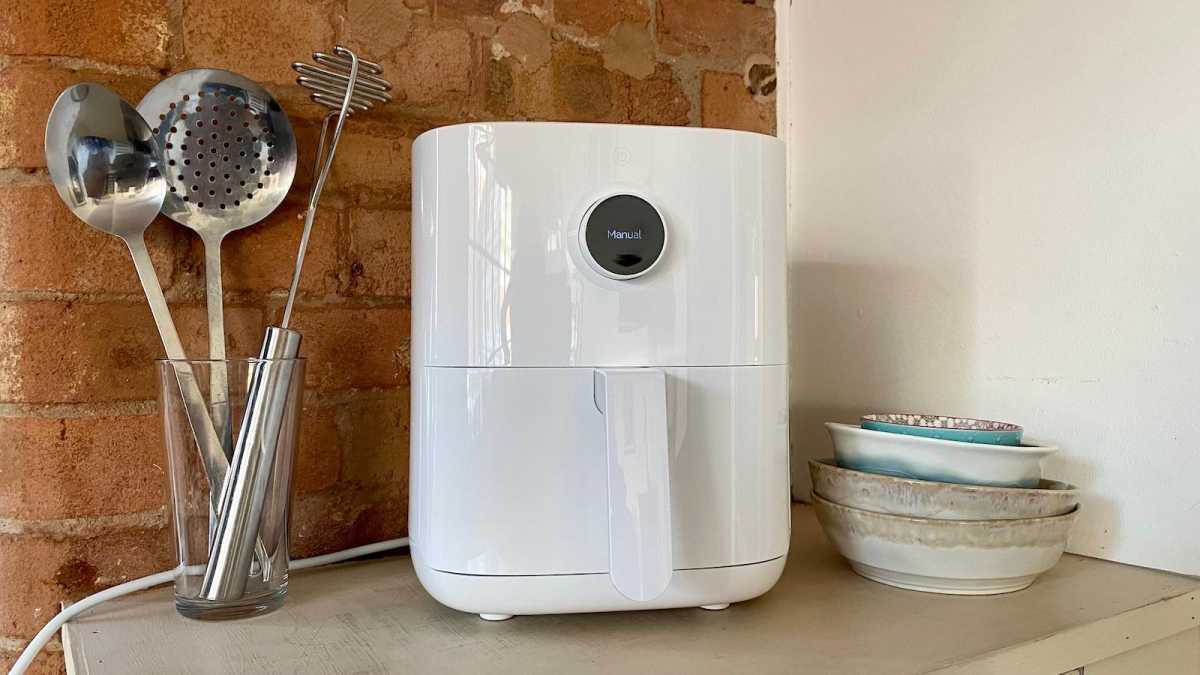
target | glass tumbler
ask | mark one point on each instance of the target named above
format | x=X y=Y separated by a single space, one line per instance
x=218 y=391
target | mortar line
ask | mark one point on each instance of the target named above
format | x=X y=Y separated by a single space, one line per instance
x=141 y=408
x=80 y=410
x=340 y=397
x=175 y=48
x=69 y=297
x=12 y=643
x=188 y=297
x=77 y=63
x=84 y=527
x=24 y=176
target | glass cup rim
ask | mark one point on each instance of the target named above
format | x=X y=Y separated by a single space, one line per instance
x=243 y=359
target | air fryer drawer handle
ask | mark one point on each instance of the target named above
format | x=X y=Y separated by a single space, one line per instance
x=634 y=404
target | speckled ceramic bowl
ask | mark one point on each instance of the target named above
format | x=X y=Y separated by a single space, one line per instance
x=963 y=429
x=934 y=459
x=959 y=557
x=930 y=499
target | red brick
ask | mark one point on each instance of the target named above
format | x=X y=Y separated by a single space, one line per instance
x=380 y=253
x=354 y=347
x=459 y=9
x=374 y=436
x=262 y=257
x=45 y=663
x=374 y=157
x=482 y=26
x=257 y=39
x=319 y=456
x=38 y=572
x=598 y=18
x=28 y=92
x=434 y=69
x=719 y=28
x=629 y=49
x=658 y=99
x=244 y=328
x=584 y=90
x=574 y=87
x=726 y=103
x=308 y=132
x=524 y=39
x=373 y=163
x=347 y=515
x=376 y=30
x=44 y=247
x=498 y=94
x=532 y=94
x=83 y=351
x=73 y=467
x=115 y=31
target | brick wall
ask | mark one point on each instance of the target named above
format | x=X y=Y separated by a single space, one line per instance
x=82 y=489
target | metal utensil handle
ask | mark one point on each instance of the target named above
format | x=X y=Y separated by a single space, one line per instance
x=325 y=162
x=245 y=492
x=218 y=387
x=211 y=452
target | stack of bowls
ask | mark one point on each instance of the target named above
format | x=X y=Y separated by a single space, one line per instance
x=942 y=504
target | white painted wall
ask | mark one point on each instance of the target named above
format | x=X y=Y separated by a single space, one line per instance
x=996 y=213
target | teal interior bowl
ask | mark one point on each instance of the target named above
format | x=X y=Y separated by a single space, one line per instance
x=962 y=429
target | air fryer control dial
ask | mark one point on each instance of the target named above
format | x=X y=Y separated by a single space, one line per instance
x=623 y=236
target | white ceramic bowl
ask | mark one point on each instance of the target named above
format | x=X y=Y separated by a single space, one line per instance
x=936 y=459
x=958 y=557
x=931 y=499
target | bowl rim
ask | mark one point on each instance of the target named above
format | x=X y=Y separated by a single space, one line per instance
x=938 y=522
x=1025 y=448
x=830 y=463
x=1008 y=427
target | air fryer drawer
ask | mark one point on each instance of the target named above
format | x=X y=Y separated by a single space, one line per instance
x=529 y=443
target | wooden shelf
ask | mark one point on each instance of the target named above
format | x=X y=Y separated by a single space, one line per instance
x=373 y=617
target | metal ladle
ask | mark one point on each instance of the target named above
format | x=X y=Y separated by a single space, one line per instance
x=103 y=161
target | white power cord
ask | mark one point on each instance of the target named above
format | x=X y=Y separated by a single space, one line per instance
x=39 y=641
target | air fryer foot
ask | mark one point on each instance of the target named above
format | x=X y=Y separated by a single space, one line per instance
x=715 y=608
x=495 y=617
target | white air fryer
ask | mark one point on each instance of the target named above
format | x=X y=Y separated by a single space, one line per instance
x=599 y=402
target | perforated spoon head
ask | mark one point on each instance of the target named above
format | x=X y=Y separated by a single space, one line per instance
x=104 y=160
x=228 y=149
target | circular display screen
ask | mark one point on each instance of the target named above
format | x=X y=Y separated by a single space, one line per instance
x=624 y=235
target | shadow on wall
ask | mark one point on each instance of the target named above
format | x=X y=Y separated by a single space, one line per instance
x=1100 y=519
x=872 y=338
x=881 y=265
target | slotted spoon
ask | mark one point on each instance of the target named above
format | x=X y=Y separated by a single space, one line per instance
x=229 y=157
